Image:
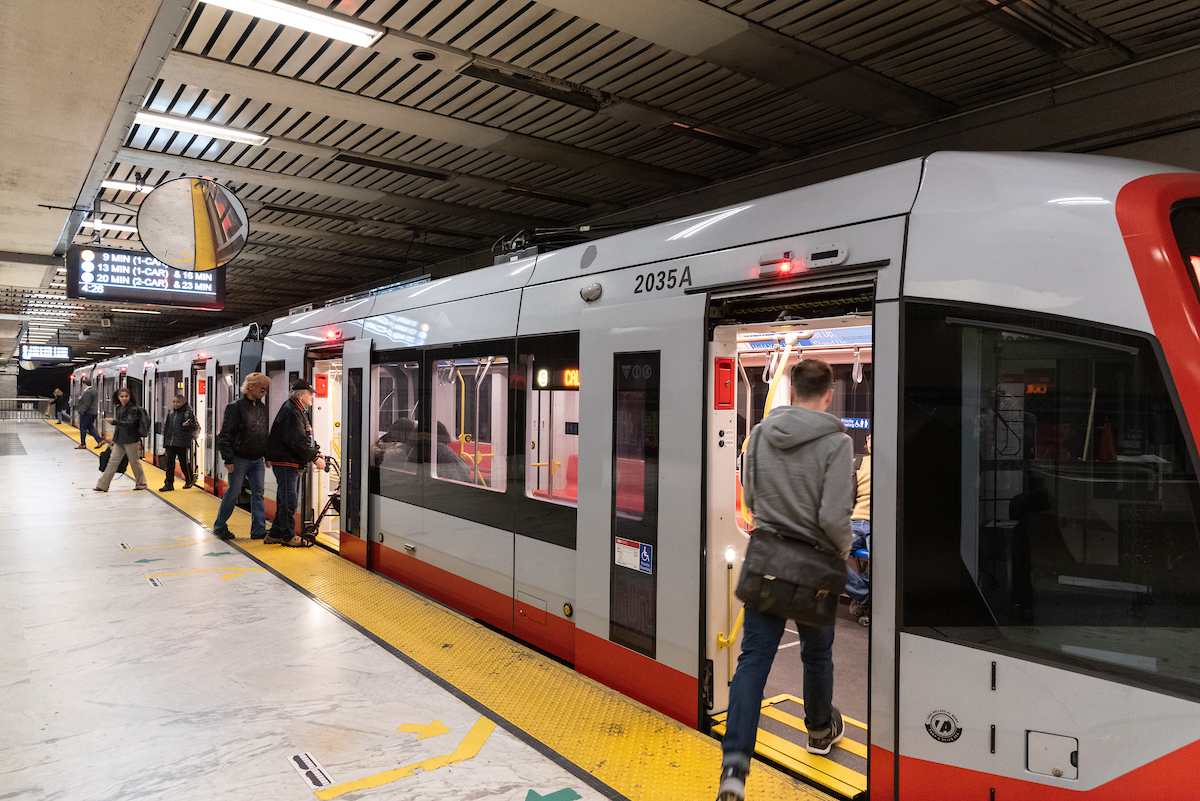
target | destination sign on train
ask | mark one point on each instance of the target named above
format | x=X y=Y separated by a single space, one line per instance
x=134 y=276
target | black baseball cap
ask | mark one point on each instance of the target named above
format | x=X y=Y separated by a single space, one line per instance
x=300 y=384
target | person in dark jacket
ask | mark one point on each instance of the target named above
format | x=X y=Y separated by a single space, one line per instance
x=243 y=446
x=88 y=402
x=126 y=441
x=449 y=464
x=290 y=449
x=61 y=406
x=178 y=431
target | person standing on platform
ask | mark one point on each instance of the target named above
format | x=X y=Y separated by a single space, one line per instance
x=60 y=405
x=858 y=585
x=800 y=479
x=243 y=446
x=87 y=414
x=127 y=442
x=290 y=449
x=178 y=430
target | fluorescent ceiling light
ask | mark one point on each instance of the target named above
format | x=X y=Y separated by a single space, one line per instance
x=201 y=128
x=136 y=311
x=306 y=18
x=113 y=347
x=122 y=186
x=130 y=229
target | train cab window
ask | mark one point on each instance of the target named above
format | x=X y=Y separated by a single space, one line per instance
x=552 y=456
x=1074 y=534
x=469 y=425
x=394 y=442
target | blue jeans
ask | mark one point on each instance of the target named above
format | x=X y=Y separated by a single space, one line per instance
x=87 y=425
x=256 y=471
x=858 y=585
x=761 y=633
x=287 y=498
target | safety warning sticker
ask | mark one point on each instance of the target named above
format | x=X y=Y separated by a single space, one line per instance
x=635 y=555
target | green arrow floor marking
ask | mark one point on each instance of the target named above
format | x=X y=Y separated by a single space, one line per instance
x=559 y=795
x=149 y=560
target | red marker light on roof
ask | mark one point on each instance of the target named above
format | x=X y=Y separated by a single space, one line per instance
x=785 y=267
x=331 y=334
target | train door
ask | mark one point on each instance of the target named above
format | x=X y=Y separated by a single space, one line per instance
x=198 y=395
x=356 y=388
x=319 y=504
x=225 y=389
x=638 y=577
x=754 y=345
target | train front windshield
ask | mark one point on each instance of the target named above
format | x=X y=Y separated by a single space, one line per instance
x=1051 y=503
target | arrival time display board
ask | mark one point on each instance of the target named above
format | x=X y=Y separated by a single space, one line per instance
x=134 y=276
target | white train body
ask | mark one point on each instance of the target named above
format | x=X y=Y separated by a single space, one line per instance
x=594 y=519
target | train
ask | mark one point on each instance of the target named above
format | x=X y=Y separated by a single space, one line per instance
x=551 y=445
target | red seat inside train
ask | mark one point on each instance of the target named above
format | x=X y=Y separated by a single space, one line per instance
x=631 y=484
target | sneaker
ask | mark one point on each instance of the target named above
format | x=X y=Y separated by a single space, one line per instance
x=857 y=609
x=865 y=621
x=733 y=784
x=823 y=745
x=223 y=532
x=271 y=539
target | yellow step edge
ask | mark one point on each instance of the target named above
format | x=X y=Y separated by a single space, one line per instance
x=778 y=699
x=853 y=746
x=636 y=751
x=819 y=769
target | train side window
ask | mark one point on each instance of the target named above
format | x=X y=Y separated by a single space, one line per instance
x=552 y=453
x=1075 y=534
x=394 y=442
x=469 y=421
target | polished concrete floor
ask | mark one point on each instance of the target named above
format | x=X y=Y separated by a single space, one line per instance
x=141 y=659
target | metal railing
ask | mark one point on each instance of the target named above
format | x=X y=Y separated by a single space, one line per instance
x=24 y=408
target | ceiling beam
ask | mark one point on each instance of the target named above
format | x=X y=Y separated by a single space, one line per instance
x=191 y=70
x=698 y=29
x=351 y=239
x=247 y=175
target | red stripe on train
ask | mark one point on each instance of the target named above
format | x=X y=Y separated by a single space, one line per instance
x=1143 y=212
x=1168 y=777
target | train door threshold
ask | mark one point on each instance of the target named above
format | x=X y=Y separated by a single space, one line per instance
x=844 y=770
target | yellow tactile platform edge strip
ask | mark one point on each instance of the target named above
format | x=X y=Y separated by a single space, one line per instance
x=636 y=751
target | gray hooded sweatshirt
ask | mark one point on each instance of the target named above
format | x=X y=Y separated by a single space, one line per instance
x=799 y=476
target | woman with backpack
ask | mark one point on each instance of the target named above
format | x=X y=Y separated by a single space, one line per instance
x=127 y=441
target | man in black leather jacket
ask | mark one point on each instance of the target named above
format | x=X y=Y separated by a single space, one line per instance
x=290 y=449
x=243 y=446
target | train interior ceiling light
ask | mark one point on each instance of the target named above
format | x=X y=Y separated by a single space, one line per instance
x=307 y=18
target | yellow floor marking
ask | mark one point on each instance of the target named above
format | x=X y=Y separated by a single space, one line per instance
x=177 y=545
x=232 y=571
x=853 y=746
x=423 y=731
x=813 y=766
x=638 y=752
x=467 y=749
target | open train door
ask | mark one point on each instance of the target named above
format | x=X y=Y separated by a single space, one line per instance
x=639 y=545
x=356 y=388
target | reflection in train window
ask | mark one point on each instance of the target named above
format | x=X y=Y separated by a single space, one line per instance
x=469 y=422
x=552 y=458
x=394 y=425
x=1074 y=534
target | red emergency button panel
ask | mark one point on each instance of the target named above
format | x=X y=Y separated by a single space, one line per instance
x=723 y=397
x=322 y=386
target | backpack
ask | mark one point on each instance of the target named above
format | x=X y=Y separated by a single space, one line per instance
x=143 y=423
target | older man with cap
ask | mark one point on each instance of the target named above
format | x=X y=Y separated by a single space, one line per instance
x=290 y=449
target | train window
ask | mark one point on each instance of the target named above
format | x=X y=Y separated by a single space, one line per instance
x=633 y=608
x=394 y=424
x=470 y=421
x=552 y=456
x=1074 y=535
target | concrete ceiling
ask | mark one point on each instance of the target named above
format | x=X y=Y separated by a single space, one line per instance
x=469 y=121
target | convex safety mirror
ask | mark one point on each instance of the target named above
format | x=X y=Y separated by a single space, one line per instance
x=192 y=224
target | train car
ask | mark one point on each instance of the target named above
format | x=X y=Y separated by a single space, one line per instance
x=551 y=445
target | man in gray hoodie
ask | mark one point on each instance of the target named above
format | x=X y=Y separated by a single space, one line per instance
x=798 y=476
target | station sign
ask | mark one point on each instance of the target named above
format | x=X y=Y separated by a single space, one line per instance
x=134 y=276
x=45 y=353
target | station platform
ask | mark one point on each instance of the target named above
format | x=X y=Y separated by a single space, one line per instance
x=145 y=658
